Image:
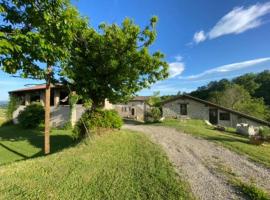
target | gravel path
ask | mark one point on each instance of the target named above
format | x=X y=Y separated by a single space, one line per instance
x=197 y=160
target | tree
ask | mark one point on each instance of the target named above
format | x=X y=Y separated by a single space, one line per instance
x=237 y=98
x=230 y=97
x=263 y=79
x=114 y=62
x=154 y=100
x=37 y=33
x=248 y=82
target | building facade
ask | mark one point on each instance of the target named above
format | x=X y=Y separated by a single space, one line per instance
x=188 y=107
x=135 y=109
x=60 y=109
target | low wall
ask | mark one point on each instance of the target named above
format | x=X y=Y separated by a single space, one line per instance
x=60 y=115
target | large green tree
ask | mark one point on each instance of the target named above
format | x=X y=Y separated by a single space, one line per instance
x=238 y=98
x=37 y=33
x=115 y=62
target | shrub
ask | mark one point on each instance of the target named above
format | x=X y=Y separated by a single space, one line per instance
x=96 y=121
x=153 y=115
x=32 y=116
x=265 y=133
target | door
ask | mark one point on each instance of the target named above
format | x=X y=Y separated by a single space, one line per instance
x=132 y=111
x=213 y=115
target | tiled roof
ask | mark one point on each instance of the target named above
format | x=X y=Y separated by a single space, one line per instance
x=33 y=88
x=140 y=98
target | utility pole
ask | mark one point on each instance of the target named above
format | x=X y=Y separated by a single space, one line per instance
x=47 y=111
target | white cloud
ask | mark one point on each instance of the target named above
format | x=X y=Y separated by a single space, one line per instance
x=227 y=68
x=176 y=68
x=199 y=37
x=178 y=58
x=237 y=21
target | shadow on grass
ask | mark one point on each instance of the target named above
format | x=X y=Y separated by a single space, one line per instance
x=59 y=140
x=132 y=121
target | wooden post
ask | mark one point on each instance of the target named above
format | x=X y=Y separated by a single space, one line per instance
x=47 y=113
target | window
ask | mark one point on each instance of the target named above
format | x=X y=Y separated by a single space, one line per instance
x=224 y=116
x=183 y=109
x=64 y=98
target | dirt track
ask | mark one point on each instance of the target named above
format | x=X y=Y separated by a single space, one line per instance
x=197 y=161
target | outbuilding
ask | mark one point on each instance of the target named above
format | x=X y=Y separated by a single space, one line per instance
x=189 y=107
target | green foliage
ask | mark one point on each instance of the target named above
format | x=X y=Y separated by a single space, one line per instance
x=13 y=104
x=32 y=116
x=257 y=85
x=67 y=126
x=265 y=133
x=237 y=98
x=95 y=121
x=114 y=62
x=154 y=100
x=121 y=165
x=36 y=32
x=153 y=115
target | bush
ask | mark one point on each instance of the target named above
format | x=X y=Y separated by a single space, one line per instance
x=265 y=133
x=96 y=121
x=32 y=116
x=153 y=115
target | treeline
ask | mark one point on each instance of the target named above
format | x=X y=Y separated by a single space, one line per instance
x=249 y=93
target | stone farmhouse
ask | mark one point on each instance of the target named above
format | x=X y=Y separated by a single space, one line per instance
x=136 y=108
x=60 y=109
x=186 y=107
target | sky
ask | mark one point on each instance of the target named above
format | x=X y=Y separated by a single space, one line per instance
x=203 y=40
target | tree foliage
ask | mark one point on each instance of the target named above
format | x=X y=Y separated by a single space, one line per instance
x=154 y=100
x=237 y=98
x=114 y=62
x=257 y=85
x=35 y=32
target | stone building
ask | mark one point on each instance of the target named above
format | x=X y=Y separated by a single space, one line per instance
x=186 y=107
x=59 y=104
x=60 y=109
x=135 y=109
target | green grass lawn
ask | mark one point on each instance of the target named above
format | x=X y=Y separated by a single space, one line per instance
x=20 y=144
x=118 y=165
x=235 y=142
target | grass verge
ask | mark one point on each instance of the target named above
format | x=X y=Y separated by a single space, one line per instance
x=249 y=189
x=119 y=165
x=17 y=143
x=230 y=140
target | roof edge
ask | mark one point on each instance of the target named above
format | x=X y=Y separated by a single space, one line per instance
x=218 y=106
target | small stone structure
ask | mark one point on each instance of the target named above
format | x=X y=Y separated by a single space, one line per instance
x=135 y=109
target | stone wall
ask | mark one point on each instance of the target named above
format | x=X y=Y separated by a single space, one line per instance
x=60 y=115
x=125 y=110
x=197 y=110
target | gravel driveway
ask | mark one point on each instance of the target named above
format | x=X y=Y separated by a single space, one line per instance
x=198 y=161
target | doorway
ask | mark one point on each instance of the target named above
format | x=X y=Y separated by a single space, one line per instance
x=132 y=111
x=213 y=115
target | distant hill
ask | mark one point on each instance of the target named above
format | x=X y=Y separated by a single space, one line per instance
x=3 y=103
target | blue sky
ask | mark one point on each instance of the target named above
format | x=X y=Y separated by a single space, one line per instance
x=202 y=40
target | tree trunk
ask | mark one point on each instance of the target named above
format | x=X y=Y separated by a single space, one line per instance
x=47 y=113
